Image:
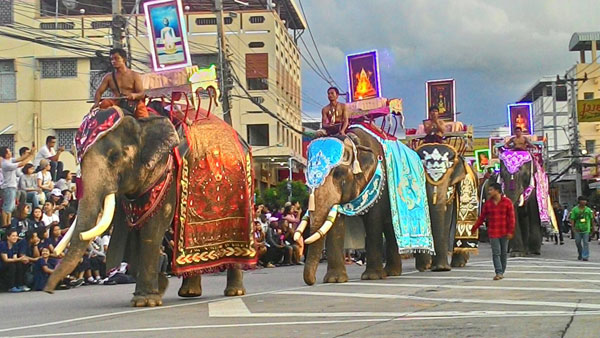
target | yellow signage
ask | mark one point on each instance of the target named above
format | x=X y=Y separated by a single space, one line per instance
x=588 y=110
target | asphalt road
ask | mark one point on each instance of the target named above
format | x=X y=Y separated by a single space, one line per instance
x=552 y=295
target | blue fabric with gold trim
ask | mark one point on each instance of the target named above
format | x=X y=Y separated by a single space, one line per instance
x=324 y=154
x=367 y=197
x=408 y=196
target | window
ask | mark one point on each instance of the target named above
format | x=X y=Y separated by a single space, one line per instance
x=257 y=71
x=58 y=25
x=212 y=21
x=257 y=99
x=205 y=60
x=257 y=19
x=590 y=146
x=588 y=95
x=101 y=24
x=8 y=82
x=8 y=140
x=65 y=138
x=58 y=68
x=258 y=134
x=98 y=68
x=6 y=12
x=256 y=44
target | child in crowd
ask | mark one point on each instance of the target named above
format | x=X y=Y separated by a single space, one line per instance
x=28 y=183
x=42 y=269
x=12 y=267
x=50 y=218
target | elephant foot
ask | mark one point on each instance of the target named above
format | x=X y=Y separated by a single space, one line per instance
x=335 y=277
x=232 y=291
x=517 y=254
x=422 y=262
x=191 y=287
x=393 y=270
x=163 y=283
x=373 y=275
x=441 y=267
x=459 y=260
x=146 y=300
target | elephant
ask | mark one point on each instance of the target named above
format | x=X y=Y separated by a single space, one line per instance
x=343 y=184
x=126 y=161
x=444 y=170
x=518 y=185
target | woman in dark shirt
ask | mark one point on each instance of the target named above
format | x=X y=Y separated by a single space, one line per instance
x=12 y=267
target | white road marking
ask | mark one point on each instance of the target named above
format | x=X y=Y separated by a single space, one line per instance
x=287 y=323
x=448 y=300
x=512 y=265
x=548 y=260
x=474 y=287
x=236 y=308
x=547 y=272
x=506 y=280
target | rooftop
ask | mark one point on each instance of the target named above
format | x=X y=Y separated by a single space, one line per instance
x=536 y=91
x=583 y=41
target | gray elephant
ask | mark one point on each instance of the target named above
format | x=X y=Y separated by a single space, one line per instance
x=517 y=171
x=444 y=169
x=128 y=165
x=356 y=182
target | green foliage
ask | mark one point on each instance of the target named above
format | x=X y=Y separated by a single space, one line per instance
x=277 y=196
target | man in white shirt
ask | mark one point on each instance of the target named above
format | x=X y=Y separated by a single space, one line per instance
x=10 y=182
x=49 y=153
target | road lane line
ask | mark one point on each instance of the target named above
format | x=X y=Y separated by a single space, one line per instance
x=532 y=272
x=474 y=287
x=505 y=280
x=569 y=305
x=287 y=323
x=545 y=266
x=548 y=260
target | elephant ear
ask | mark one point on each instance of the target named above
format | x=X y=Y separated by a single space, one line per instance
x=158 y=138
x=459 y=173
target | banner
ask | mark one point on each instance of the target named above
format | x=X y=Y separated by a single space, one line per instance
x=363 y=76
x=482 y=159
x=519 y=115
x=441 y=94
x=588 y=110
x=167 y=36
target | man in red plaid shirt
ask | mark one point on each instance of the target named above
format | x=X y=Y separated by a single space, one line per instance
x=500 y=215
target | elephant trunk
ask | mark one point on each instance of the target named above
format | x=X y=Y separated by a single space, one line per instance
x=318 y=220
x=87 y=217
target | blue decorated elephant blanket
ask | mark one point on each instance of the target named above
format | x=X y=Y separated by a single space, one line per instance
x=408 y=196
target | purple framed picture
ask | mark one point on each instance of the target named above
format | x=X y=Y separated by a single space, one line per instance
x=363 y=76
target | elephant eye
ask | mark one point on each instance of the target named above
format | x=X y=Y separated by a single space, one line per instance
x=114 y=156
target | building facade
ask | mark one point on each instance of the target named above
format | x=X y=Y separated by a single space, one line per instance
x=51 y=63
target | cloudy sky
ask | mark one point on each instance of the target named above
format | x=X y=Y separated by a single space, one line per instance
x=496 y=50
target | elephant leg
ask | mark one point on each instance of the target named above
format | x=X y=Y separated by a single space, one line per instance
x=374 y=246
x=336 y=269
x=517 y=249
x=441 y=238
x=535 y=231
x=191 y=286
x=235 y=282
x=393 y=264
x=422 y=261
x=147 y=289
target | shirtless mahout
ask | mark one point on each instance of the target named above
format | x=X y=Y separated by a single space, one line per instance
x=519 y=141
x=125 y=84
x=334 y=116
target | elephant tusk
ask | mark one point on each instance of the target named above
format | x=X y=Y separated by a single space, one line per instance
x=60 y=247
x=325 y=227
x=301 y=227
x=105 y=221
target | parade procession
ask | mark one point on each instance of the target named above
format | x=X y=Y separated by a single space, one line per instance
x=299 y=168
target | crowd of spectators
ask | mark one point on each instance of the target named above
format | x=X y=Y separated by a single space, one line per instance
x=38 y=206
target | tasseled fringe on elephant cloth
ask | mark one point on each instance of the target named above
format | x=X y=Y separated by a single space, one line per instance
x=470 y=251
x=217 y=269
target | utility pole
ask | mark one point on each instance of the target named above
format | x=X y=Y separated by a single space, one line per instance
x=222 y=62
x=118 y=24
x=576 y=151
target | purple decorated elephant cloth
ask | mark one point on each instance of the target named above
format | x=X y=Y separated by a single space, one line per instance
x=95 y=125
x=541 y=182
x=514 y=159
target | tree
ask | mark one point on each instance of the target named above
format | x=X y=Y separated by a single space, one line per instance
x=277 y=196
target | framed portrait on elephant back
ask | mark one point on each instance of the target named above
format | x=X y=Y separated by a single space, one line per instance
x=363 y=76
x=519 y=115
x=441 y=94
x=167 y=35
